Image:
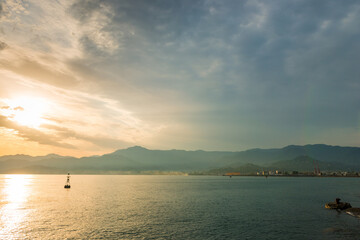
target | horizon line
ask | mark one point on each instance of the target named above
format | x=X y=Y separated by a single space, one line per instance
x=174 y=149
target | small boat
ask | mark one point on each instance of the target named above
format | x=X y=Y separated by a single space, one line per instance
x=338 y=205
x=67 y=185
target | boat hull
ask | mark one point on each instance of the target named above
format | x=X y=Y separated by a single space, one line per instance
x=339 y=206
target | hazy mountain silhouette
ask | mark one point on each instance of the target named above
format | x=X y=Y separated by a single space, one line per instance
x=247 y=168
x=321 y=152
x=141 y=159
x=307 y=164
x=300 y=163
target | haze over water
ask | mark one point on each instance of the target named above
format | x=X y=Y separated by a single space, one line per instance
x=175 y=207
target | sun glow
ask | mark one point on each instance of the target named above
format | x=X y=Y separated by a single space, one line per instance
x=27 y=111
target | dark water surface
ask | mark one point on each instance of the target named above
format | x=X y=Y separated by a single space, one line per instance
x=175 y=207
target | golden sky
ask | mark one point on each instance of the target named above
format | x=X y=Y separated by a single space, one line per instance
x=89 y=77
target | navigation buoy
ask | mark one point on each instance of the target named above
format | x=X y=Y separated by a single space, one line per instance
x=67 y=185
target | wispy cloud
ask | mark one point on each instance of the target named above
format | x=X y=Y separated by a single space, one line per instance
x=197 y=74
x=32 y=134
x=2 y=45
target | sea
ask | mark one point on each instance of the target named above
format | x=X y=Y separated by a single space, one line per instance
x=175 y=207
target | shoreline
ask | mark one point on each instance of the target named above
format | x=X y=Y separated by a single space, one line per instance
x=326 y=176
x=188 y=174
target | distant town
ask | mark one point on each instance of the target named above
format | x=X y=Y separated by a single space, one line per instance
x=278 y=173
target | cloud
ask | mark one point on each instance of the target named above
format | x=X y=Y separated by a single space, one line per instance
x=238 y=70
x=71 y=114
x=34 y=135
x=39 y=72
x=19 y=108
x=2 y=44
x=56 y=135
x=102 y=141
x=96 y=34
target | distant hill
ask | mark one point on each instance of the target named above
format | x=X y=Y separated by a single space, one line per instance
x=179 y=160
x=307 y=164
x=9 y=163
x=30 y=158
x=247 y=168
x=300 y=163
x=335 y=154
x=139 y=159
x=36 y=169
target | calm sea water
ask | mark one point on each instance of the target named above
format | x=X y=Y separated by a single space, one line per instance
x=175 y=207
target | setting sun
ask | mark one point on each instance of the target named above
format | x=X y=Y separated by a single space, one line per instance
x=27 y=111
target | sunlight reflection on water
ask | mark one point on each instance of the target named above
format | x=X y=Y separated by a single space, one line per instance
x=15 y=191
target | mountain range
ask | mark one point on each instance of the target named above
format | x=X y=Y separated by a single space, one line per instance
x=141 y=160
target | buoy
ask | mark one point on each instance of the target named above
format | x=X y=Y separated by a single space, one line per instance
x=67 y=185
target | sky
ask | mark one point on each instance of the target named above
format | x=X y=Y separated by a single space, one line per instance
x=84 y=77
